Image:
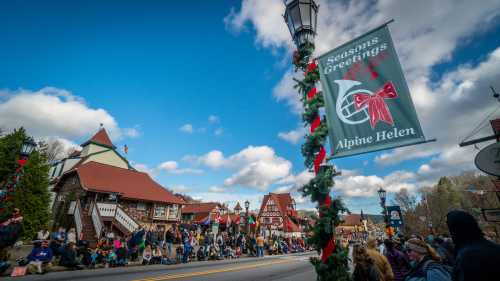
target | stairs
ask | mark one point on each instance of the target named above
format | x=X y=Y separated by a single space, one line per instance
x=88 y=231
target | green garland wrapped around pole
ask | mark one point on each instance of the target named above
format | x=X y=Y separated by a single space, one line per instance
x=300 y=16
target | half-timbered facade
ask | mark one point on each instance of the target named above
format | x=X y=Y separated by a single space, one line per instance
x=278 y=215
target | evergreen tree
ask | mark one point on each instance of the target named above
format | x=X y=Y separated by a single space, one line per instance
x=31 y=194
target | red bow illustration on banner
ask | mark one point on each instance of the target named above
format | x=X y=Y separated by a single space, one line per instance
x=377 y=109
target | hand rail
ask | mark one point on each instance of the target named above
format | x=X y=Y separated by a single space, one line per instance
x=96 y=220
x=124 y=219
x=78 y=218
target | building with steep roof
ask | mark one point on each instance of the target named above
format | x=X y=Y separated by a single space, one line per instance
x=202 y=212
x=278 y=215
x=355 y=227
x=97 y=190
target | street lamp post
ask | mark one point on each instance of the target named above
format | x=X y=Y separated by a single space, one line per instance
x=301 y=18
x=382 y=194
x=27 y=148
x=247 y=205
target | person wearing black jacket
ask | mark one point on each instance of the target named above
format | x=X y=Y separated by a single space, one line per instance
x=477 y=259
x=68 y=257
x=169 y=241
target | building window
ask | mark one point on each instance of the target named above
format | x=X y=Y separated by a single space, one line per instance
x=141 y=206
x=276 y=220
x=267 y=220
x=173 y=213
x=159 y=212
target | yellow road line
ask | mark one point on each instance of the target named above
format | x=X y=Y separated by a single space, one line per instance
x=199 y=273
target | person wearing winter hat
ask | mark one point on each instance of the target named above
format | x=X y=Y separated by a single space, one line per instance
x=426 y=262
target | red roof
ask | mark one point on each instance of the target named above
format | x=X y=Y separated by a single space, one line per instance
x=291 y=226
x=130 y=184
x=102 y=138
x=352 y=220
x=195 y=208
x=282 y=200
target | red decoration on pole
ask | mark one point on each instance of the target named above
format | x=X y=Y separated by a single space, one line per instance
x=315 y=123
x=22 y=162
x=311 y=93
x=312 y=66
x=328 y=250
x=319 y=159
x=327 y=201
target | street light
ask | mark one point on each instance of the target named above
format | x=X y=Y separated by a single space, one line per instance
x=27 y=147
x=382 y=194
x=247 y=205
x=301 y=18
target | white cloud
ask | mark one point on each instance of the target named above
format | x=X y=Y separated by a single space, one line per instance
x=355 y=185
x=180 y=188
x=293 y=136
x=212 y=119
x=266 y=18
x=168 y=166
x=187 y=128
x=53 y=112
x=213 y=159
x=132 y=132
x=256 y=166
x=293 y=182
x=285 y=92
x=217 y=189
x=172 y=167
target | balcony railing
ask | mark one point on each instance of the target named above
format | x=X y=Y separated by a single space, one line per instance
x=111 y=210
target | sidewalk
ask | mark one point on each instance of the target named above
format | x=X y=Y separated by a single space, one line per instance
x=24 y=250
x=63 y=274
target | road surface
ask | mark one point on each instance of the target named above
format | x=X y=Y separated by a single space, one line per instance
x=294 y=267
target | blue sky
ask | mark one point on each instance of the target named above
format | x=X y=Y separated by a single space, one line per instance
x=146 y=69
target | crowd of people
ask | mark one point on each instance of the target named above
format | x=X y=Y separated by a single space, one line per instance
x=150 y=246
x=465 y=255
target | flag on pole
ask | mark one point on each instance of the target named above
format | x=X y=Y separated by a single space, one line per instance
x=368 y=103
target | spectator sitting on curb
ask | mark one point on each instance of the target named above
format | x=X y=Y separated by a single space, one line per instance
x=68 y=257
x=40 y=258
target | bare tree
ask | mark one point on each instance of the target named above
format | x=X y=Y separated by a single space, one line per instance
x=55 y=150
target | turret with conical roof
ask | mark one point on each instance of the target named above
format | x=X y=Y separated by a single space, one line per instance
x=100 y=138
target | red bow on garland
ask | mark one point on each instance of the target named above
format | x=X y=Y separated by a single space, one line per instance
x=312 y=66
x=377 y=109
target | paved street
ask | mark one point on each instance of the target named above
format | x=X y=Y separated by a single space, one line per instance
x=289 y=267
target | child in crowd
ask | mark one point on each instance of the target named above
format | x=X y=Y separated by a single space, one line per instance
x=147 y=255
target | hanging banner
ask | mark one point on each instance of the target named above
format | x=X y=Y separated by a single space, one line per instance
x=395 y=216
x=368 y=103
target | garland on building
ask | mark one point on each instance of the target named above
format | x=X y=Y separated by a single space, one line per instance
x=333 y=264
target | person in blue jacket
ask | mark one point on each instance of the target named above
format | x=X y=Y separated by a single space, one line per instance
x=40 y=258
